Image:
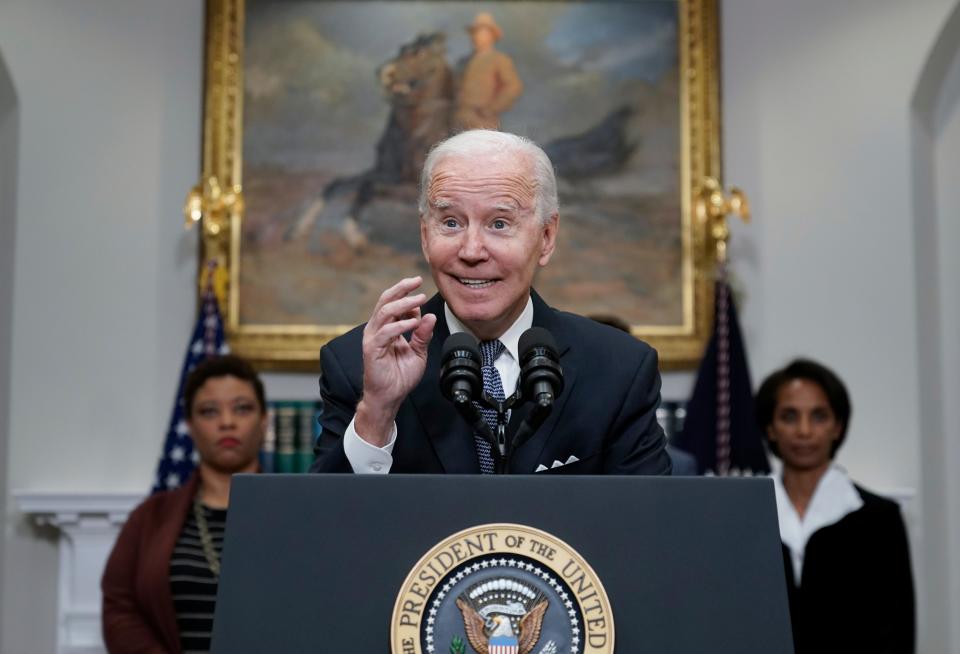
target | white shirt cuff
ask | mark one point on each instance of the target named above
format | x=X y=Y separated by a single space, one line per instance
x=365 y=458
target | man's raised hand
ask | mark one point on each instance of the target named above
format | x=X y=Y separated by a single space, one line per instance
x=392 y=366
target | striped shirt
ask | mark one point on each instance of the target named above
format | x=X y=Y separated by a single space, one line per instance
x=192 y=584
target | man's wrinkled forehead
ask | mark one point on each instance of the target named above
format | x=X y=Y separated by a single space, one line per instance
x=506 y=178
x=504 y=204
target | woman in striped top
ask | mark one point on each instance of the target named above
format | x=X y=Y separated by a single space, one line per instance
x=160 y=582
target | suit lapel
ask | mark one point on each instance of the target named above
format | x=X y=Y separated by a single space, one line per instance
x=526 y=458
x=448 y=433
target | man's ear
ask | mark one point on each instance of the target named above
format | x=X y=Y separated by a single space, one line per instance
x=548 y=238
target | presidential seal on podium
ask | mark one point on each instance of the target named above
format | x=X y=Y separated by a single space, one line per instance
x=502 y=589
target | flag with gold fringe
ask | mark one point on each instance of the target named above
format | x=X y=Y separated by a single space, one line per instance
x=719 y=428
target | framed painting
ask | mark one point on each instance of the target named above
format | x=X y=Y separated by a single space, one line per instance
x=318 y=114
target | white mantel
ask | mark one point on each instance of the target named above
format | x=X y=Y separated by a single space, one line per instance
x=88 y=525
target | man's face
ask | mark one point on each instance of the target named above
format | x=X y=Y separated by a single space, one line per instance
x=482 y=37
x=482 y=239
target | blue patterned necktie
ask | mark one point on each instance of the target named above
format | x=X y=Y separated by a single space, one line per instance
x=489 y=351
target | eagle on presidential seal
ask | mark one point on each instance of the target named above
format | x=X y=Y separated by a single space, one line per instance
x=502 y=616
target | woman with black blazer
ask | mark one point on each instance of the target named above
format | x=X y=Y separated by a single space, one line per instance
x=845 y=549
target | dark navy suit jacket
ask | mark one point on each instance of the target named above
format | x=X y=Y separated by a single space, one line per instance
x=605 y=416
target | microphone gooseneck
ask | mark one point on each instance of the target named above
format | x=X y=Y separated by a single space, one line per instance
x=541 y=382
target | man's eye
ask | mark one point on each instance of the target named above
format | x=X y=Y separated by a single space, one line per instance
x=499 y=224
x=449 y=223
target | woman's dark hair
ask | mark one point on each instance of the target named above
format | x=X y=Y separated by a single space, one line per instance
x=221 y=366
x=826 y=379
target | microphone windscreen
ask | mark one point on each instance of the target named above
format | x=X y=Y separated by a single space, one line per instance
x=460 y=341
x=537 y=337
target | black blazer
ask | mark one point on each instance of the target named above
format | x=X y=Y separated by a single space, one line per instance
x=856 y=589
x=605 y=416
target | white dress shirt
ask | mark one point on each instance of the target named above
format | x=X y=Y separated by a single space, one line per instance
x=365 y=458
x=833 y=500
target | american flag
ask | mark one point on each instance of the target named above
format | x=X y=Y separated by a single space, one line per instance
x=179 y=458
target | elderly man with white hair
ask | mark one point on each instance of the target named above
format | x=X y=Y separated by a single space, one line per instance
x=488 y=221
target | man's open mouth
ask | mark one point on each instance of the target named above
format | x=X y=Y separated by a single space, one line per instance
x=476 y=283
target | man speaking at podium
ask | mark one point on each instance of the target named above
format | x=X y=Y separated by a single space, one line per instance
x=488 y=220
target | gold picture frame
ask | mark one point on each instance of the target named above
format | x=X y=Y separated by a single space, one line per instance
x=218 y=201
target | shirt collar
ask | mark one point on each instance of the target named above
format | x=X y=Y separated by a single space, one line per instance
x=509 y=338
x=834 y=499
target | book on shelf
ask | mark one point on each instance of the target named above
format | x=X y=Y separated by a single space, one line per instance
x=293 y=426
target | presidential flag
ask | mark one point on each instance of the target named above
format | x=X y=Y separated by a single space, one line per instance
x=179 y=458
x=719 y=428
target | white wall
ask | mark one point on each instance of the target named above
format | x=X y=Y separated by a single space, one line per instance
x=110 y=102
x=817 y=128
x=8 y=185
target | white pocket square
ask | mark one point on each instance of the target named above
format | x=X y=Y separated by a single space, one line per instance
x=557 y=463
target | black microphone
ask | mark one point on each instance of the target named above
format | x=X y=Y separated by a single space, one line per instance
x=461 y=379
x=461 y=382
x=541 y=377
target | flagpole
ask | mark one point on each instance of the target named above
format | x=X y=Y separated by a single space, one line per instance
x=210 y=306
x=178 y=457
x=713 y=207
x=213 y=207
x=723 y=371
